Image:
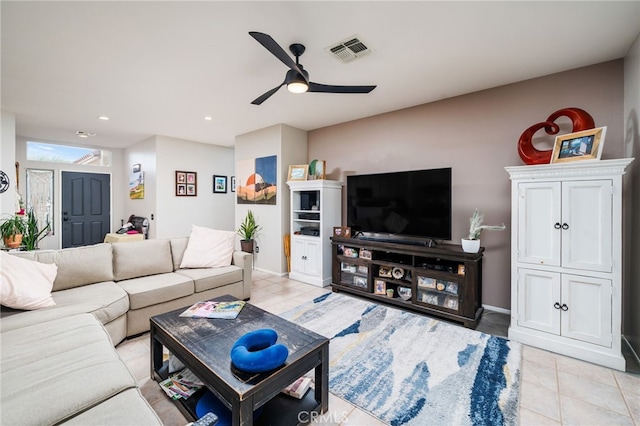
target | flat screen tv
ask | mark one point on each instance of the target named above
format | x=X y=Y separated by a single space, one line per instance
x=404 y=206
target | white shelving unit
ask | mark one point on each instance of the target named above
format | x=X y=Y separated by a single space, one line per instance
x=316 y=207
x=566 y=260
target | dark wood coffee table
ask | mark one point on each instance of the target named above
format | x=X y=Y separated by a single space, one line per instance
x=203 y=345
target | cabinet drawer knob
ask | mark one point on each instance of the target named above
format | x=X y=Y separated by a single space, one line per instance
x=564 y=307
x=557 y=225
x=565 y=226
x=556 y=305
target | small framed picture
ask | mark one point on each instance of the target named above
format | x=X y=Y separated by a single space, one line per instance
x=385 y=272
x=380 y=287
x=363 y=269
x=137 y=168
x=350 y=252
x=298 y=172
x=461 y=269
x=337 y=231
x=365 y=254
x=186 y=184
x=360 y=282
x=233 y=184
x=346 y=232
x=579 y=146
x=219 y=184
x=426 y=282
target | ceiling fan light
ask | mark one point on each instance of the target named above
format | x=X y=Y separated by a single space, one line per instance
x=297 y=87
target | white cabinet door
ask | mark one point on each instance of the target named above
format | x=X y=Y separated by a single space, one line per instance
x=587 y=225
x=538 y=294
x=586 y=309
x=539 y=218
x=297 y=255
x=312 y=258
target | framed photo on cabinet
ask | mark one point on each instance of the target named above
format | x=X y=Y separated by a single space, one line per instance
x=298 y=172
x=380 y=287
x=579 y=146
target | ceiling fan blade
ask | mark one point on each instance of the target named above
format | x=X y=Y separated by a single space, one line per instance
x=272 y=46
x=325 y=88
x=260 y=99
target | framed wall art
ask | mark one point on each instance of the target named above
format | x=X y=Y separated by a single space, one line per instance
x=233 y=184
x=186 y=184
x=219 y=184
x=298 y=172
x=578 y=146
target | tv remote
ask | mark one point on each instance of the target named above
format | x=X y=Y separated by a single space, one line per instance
x=208 y=419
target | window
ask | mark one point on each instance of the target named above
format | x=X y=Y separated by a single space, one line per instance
x=39 y=151
x=40 y=196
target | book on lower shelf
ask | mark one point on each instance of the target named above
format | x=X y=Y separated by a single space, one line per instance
x=298 y=388
x=211 y=309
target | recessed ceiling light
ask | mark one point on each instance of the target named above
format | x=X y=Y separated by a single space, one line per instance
x=103 y=117
x=208 y=118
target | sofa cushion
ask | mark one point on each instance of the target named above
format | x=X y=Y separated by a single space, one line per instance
x=25 y=284
x=107 y=301
x=80 y=266
x=46 y=376
x=155 y=289
x=208 y=278
x=208 y=248
x=141 y=258
x=126 y=408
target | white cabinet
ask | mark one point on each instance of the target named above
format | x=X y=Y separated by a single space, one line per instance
x=566 y=292
x=306 y=256
x=316 y=207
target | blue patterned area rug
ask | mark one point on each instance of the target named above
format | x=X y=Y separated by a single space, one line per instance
x=410 y=369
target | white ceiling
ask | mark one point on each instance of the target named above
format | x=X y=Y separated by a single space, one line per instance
x=158 y=68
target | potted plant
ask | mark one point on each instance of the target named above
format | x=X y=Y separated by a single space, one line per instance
x=33 y=235
x=247 y=231
x=12 y=230
x=472 y=243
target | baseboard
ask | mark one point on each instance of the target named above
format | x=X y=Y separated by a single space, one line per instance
x=496 y=309
x=633 y=352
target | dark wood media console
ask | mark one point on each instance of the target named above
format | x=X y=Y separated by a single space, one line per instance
x=443 y=280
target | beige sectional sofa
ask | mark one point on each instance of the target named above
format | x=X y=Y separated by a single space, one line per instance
x=58 y=364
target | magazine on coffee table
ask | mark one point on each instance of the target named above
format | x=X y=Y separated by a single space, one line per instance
x=210 y=309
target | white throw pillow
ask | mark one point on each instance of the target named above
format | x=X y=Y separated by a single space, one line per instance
x=208 y=248
x=26 y=284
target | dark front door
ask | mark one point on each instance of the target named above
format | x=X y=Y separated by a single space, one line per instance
x=86 y=208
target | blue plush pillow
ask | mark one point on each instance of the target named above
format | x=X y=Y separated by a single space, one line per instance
x=257 y=351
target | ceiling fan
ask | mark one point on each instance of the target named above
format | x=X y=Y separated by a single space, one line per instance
x=297 y=78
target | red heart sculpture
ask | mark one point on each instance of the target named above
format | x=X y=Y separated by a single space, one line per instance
x=580 y=120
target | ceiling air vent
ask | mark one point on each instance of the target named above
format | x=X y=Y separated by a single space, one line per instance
x=349 y=50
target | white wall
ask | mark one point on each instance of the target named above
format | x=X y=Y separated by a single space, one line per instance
x=175 y=215
x=290 y=146
x=7 y=161
x=143 y=153
x=631 y=291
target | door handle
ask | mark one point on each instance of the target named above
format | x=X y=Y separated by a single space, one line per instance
x=64 y=216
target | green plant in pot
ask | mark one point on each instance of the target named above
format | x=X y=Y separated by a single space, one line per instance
x=247 y=231
x=471 y=244
x=12 y=230
x=33 y=235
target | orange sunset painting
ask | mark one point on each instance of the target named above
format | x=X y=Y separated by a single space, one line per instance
x=257 y=181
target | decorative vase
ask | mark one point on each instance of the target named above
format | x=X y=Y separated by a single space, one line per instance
x=246 y=246
x=470 y=246
x=14 y=241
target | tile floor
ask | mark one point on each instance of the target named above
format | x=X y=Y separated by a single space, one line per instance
x=556 y=390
